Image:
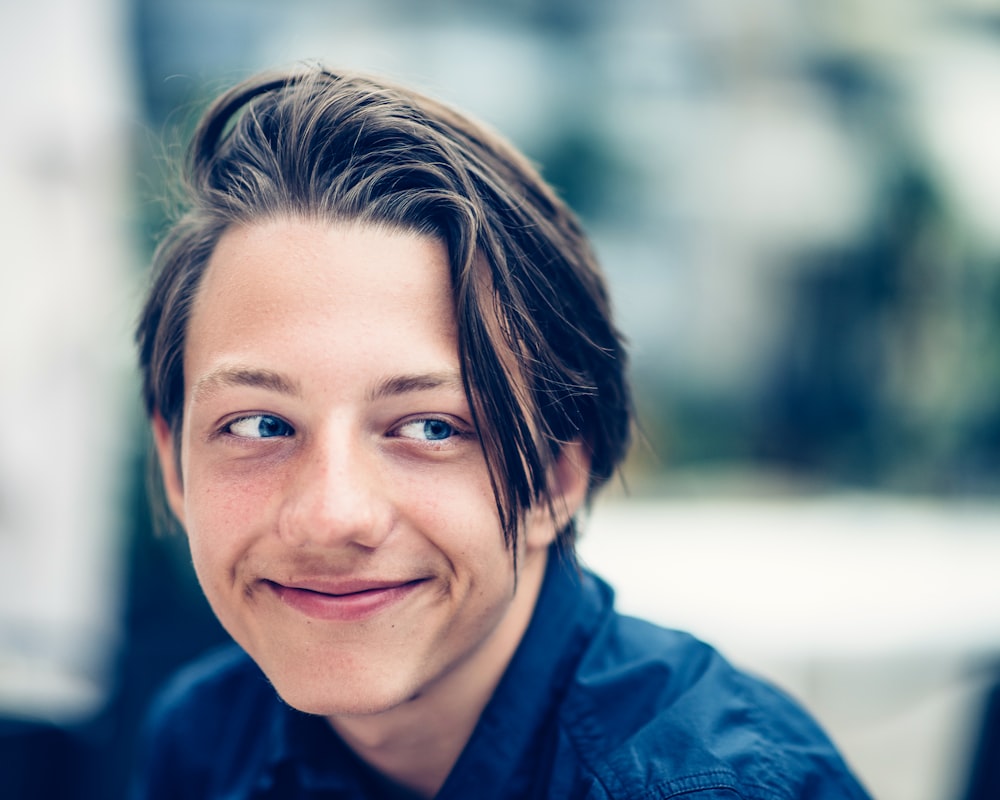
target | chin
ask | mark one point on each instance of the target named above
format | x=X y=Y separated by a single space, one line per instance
x=342 y=680
x=343 y=701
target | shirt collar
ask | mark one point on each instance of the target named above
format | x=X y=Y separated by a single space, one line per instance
x=501 y=754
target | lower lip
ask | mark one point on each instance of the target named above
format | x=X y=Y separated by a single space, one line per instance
x=344 y=607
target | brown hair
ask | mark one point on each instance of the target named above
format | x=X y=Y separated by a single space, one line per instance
x=541 y=359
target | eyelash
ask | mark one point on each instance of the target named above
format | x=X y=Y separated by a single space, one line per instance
x=455 y=430
x=287 y=429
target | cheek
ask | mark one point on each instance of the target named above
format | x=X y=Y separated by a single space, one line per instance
x=223 y=513
x=459 y=519
x=219 y=492
x=453 y=505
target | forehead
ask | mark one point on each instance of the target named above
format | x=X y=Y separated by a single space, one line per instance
x=325 y=258
x=290 y=289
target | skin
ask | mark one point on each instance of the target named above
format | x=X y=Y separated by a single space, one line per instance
x=335 y=495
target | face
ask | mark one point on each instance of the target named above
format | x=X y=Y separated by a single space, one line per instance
x=339 y=511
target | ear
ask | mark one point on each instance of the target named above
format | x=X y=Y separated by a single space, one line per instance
x=568 y=483
x=173 y=485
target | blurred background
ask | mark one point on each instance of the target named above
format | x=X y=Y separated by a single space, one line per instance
x=798 y=206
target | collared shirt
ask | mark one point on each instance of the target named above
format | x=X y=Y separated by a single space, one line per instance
x=593 y=705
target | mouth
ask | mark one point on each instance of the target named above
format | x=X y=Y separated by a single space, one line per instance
x=344 y=601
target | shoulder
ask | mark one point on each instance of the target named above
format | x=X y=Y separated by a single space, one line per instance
x=201 y=699
x=212 y=707
x=222 y=673
x=659 y=709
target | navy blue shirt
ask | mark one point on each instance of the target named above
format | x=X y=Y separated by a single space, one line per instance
x=593 y=705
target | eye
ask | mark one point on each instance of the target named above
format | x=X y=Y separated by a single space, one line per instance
x=430 y=430
x=259 y=426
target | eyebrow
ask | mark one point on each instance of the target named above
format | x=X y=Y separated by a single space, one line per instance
x=405 y=384
x=228 y=376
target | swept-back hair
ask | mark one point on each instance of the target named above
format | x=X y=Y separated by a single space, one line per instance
x=542 y=362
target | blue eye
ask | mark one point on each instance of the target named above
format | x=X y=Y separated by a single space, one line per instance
x=430 y=430
x=435 y=429
x=259 y=426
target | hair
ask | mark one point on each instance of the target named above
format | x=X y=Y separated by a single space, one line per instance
x=541 y=359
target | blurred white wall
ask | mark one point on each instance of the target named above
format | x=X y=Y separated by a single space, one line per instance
x=64 y=351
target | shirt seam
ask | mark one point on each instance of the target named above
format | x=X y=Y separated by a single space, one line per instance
x=656 y=792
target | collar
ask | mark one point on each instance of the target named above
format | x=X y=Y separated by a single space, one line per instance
x=508 y=744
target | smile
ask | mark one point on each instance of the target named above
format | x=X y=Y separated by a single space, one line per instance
x=348 y=603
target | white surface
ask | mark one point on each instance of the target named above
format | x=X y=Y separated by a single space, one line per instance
x=836 y=576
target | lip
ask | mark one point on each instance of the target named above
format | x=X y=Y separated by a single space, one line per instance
x=343 y=601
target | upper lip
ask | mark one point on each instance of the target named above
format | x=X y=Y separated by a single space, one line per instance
x=344 y=586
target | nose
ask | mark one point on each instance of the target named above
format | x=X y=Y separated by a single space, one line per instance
x=334 y=496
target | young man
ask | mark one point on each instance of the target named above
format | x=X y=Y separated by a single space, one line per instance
x=382 y=376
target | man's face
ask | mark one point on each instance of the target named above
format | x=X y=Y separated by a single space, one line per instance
x=339 y=511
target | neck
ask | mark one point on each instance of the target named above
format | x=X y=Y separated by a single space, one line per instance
x=417 y=744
